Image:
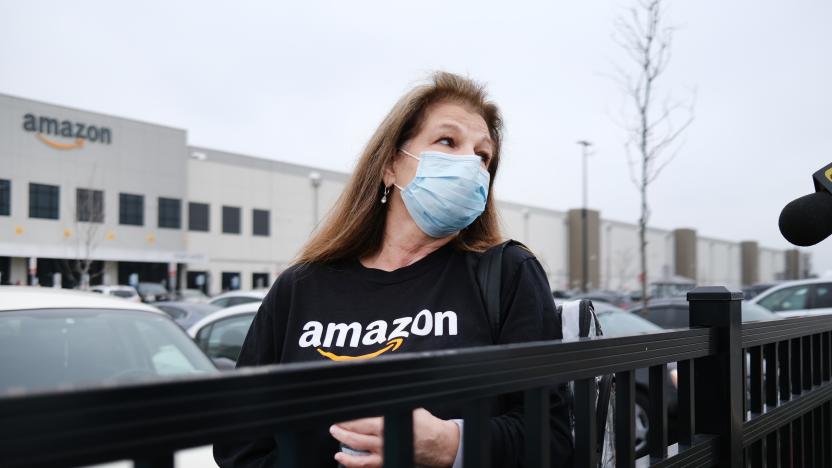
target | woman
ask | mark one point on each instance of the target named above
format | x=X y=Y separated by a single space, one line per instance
x=390 y=271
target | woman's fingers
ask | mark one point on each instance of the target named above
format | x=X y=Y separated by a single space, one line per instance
x=360 y=434
x=364 y=426
x=355 y=440
x=359 y=461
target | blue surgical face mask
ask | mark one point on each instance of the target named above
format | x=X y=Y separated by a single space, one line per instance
x=448 y=192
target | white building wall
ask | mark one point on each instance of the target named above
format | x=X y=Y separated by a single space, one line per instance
x=620 y=256
x=328 y=194
x=544 y=232
x=772 y=265
x=142 y=158
x=155 y=161
x=719 y=262
x=19 y=271
x=223 y=179
x=659 y=254
x=110 y=273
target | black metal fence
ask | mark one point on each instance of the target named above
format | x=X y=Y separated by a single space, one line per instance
x=774 y=413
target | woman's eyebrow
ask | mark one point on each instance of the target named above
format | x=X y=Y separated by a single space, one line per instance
x=458 y=128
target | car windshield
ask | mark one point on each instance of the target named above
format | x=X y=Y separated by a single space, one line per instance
x=152 y=288
x=121 y=293
x=56 y=348
x=624 y=323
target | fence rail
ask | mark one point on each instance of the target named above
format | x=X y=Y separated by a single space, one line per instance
x=781 y=414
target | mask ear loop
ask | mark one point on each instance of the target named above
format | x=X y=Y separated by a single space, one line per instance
x=408 y=154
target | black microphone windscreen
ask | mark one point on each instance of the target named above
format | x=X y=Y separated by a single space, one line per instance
x=808 y=219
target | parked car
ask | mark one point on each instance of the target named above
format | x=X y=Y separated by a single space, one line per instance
x=191 y=295
x=562 y=294
x=621 y=300
x=674 y=312
x=221 y=334
x=152 y=292
x=673 y=286
x=751 y=292
x=619 y=322
x=122 y=291
x=798 y=297
x=186 y=314
x=58 y=338
x=233 y=298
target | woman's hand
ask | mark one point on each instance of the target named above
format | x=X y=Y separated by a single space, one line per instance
x=435 y=441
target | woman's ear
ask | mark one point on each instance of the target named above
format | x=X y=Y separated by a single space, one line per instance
x=389 y=176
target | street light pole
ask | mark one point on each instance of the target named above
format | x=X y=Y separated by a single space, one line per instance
x=315 y=179
x=584 y=247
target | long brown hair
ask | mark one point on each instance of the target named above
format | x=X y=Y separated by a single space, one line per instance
x=355 y=226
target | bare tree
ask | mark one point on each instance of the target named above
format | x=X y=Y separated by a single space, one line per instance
x=652 y=122
x=89 y=216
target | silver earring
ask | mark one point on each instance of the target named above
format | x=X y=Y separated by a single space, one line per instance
x=384 y=197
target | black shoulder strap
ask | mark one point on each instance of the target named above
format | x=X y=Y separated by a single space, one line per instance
x=489 y=272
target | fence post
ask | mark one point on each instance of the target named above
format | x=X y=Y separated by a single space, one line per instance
x=718 y=382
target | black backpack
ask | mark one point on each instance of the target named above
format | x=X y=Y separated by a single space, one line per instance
x=488 y=276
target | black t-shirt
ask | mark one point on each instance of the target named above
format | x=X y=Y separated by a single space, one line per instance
x=344 y=311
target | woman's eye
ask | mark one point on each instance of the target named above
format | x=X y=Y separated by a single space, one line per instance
x=447 y=141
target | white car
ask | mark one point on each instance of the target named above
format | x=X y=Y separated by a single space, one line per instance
x=60 y=338
x=220 y=335
x=799 y=297
x=63 y=339
x=233 y=298
x=119 y=290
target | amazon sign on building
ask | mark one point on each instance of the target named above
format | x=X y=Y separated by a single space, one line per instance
x=144 y=206
x=83 y=185
x=49 y=130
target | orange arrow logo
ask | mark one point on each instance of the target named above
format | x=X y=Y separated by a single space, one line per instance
x=392 y=345
x=79 y=143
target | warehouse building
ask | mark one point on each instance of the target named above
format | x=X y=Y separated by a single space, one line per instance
x=92 y=198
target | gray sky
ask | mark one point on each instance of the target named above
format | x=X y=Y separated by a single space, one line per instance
x=309 y=82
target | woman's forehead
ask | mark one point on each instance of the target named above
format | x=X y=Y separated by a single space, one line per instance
x=449 y=116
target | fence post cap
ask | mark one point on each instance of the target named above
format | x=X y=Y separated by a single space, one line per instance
x=714 y=293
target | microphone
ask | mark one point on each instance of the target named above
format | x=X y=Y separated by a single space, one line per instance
x=808 y=219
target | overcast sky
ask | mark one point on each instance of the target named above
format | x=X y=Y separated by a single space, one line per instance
x=308 y=82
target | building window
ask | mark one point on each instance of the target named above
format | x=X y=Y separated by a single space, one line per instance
x=198 y=216
x=260 y=222
x=259 y=280
x=170 y=213
x=44 y=201
x=197 y=280
x=89 y=206
x=131 y=209
x=230 y=220
x=5 y=197
x=230 y=280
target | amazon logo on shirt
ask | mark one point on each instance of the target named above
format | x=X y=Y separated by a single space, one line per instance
x=388 y=337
